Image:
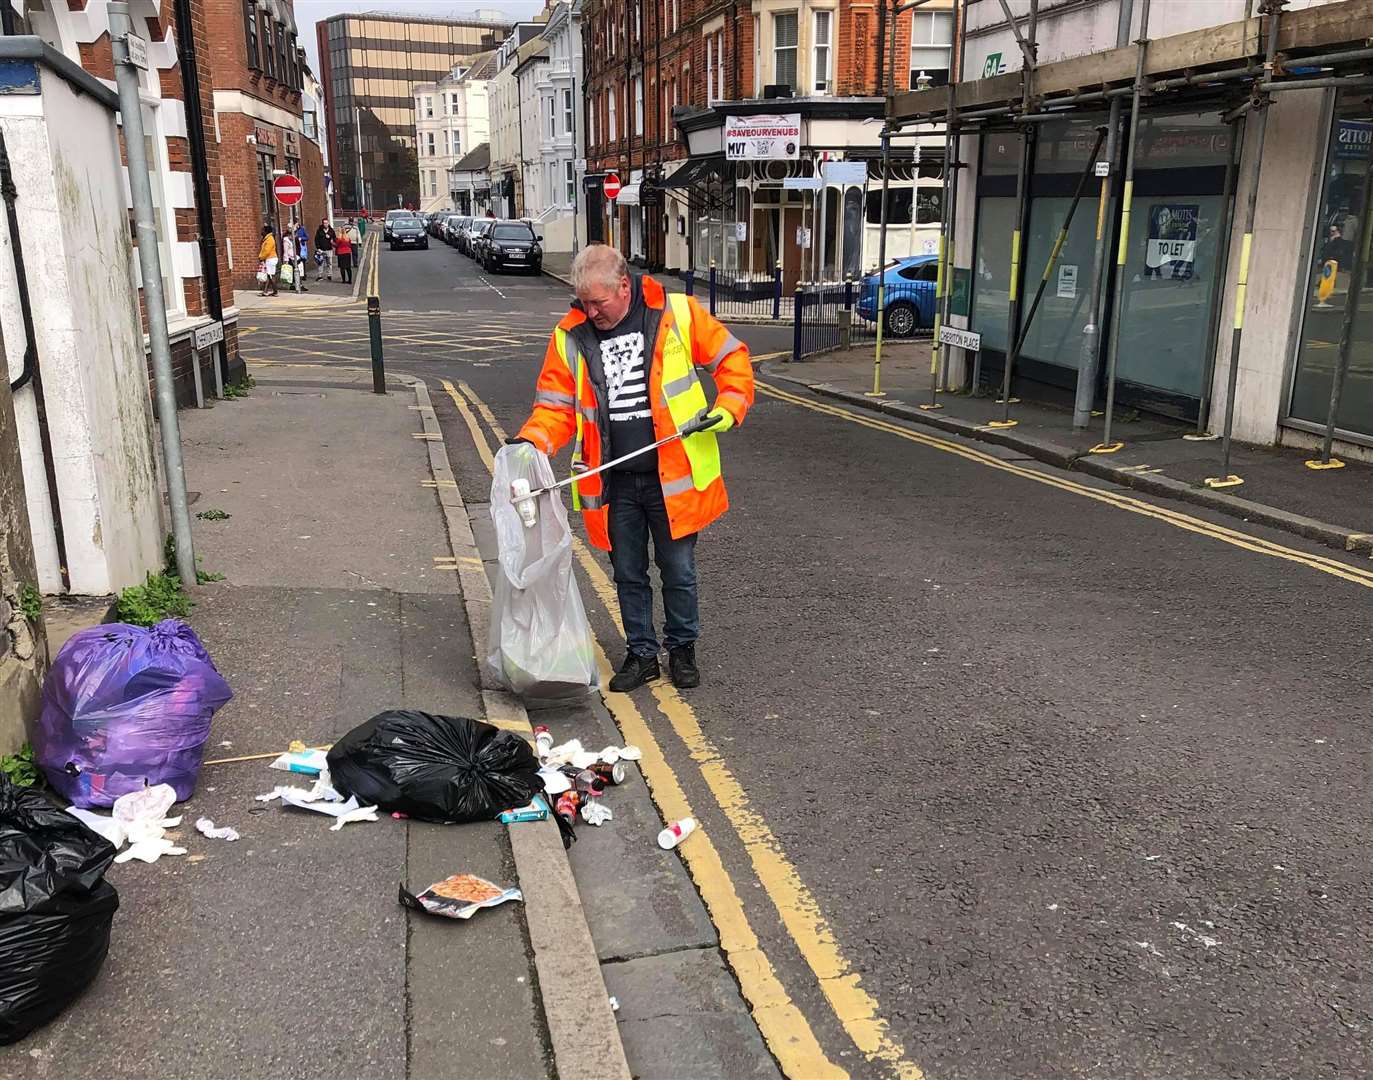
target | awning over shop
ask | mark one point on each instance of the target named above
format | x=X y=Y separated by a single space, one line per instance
x=628 y=196
x=696 y=170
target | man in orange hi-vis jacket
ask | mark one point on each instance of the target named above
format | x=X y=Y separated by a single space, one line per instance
x=621 y=373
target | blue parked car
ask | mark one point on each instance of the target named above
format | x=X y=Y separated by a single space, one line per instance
x=909 y=295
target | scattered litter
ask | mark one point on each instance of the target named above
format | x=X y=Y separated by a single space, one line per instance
x=610 y=755
x=398 y=816
x=437 y=768
x=458 y=897
x=1152 y=858
x=1208 y=942
x=614 y=1003
x=675 y=833
x=139 y=818
x=310 y=762
x=196 y=858
x=55 y=930
x=537 y=810
x=562 y=755
x=595 y=812
x=584 y=759
x=630 y=753
x=555 y=781
x=543 y=741
x=125 y=706
x=207 y=828
x=345 y=812
x=107 y=827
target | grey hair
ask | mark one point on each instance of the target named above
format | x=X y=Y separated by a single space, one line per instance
x=596 y=264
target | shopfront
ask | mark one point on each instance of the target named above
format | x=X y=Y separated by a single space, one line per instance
x=1336 y=319
x=1174 y=259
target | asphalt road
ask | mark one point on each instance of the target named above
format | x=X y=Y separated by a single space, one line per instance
x=1078 y=789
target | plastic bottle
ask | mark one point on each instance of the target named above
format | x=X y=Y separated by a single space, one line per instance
x=588 y=783
x=543 y=741
x=520 y=496
x=675 y=833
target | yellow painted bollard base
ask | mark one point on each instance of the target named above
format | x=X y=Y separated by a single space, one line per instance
x=930 y=407
x=1106 y=448
x=874 y=393
x=1214 y=482
x=1002 y=401
x=1001 y=423
x=1321 y=466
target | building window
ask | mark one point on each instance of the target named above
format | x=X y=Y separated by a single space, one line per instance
x=638 y=24
x=676 y=15
x=710 y=69
x=570 y=180
x=931 y=46
x=784 y=49
x=428 y=107
x=293 y=63
x=612 y=129
x=552 y=119
x=445 y=143
x=453 y=104
x=591 y=123
x=720 y=91
x=250 y=33
x=638 y=105
x=268 y=52
x=433 y=183
x=821 y=53
x=429 y=142
x=567 y=111
x=282 y=74
x=457 y=143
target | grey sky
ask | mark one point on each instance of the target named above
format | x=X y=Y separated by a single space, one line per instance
x=309 y=12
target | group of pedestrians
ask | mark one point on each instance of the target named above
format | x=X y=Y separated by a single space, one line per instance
x=289 y=263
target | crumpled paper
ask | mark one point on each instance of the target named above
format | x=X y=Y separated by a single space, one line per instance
x=207 y=828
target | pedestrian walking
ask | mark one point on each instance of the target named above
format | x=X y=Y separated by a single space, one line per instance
x=302 y=256
x=618 y=375
x=324 y=250
x=267 y=258
x=288 y=258
x=343 y=250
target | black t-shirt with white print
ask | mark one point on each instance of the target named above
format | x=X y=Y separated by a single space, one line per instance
x=625 y=359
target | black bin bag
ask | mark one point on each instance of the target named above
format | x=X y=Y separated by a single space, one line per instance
x=55 y=909
x=439 y=768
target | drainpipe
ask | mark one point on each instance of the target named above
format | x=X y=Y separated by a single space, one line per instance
x=31 y=374
x=1259 y=112
x=140 y=187
x=200 y=172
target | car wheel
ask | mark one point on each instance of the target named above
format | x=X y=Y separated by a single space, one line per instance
x=902 y=319
x=425 y=245
x=393 y=245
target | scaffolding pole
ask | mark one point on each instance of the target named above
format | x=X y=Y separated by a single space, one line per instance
x=941 y=278
x=1259 y=111
x=1029 y=46
x=1107 y=445
x=1089 y=364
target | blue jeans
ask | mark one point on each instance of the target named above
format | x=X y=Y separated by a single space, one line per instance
x=637 y=511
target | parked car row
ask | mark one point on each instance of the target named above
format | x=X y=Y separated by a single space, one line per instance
x=495 y=244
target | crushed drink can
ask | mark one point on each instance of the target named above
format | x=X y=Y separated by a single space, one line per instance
x=610 y=774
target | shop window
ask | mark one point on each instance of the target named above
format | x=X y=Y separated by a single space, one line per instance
x=1337 y=277
x=821 y=52
x=899 y=202
x=992 y=247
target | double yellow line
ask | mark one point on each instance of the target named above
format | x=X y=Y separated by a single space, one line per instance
x=1355 y=574
x=784 y=1027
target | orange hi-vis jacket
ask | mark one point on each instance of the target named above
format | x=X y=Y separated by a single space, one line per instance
x=685 y=338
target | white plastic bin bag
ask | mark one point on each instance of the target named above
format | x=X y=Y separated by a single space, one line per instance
x=540 y=640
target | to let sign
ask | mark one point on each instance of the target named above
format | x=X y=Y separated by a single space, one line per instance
x=611 y=185
x=288 y=189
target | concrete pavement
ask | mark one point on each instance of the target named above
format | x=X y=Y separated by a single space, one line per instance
x=1002 y=772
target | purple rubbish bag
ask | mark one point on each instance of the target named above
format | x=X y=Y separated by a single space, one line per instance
x=125 y=706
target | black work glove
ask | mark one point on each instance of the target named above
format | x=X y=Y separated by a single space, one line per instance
x=517 y=439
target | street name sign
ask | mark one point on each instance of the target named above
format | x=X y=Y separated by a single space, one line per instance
x=205 y=336
x=964 y=339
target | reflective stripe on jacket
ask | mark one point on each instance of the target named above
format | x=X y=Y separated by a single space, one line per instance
x=687 y=338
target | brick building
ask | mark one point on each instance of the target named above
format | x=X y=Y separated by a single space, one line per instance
x=259 y=74
x=663 y=77
x=189 y=212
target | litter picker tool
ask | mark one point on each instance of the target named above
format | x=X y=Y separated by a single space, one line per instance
x=524 y=498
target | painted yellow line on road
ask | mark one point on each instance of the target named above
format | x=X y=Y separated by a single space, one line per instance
x=856 y=1009
x=1355 y=574
x=782 y=1024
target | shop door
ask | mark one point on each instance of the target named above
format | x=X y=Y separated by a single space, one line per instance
x=595 y=213
x=1173 y=260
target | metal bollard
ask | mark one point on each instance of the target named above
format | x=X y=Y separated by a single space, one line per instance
x=691 y=282
x=848 y=293
x=374 y=329
x=712 y=286
x=777 y=290
x=797 y=304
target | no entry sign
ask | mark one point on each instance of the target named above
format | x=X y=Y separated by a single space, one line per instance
x=288 y=189
x=611 y=186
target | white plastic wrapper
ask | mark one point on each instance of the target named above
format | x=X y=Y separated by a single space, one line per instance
x=540 y=640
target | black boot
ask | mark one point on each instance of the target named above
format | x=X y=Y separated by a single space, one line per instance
x=634 y=672
x=681 y=664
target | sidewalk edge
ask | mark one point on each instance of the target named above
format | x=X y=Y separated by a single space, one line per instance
x=1335 y=536
x=576 y=1005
